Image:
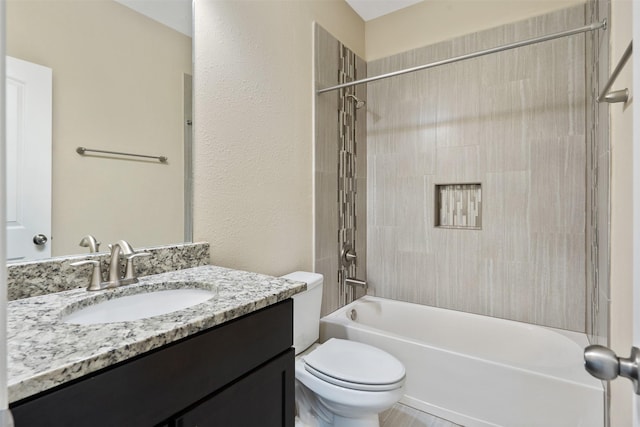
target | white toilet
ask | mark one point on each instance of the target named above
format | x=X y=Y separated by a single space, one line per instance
x=339 y=383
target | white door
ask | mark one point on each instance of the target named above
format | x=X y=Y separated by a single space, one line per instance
x=28 y=112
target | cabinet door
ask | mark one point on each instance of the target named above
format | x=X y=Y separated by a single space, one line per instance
x=264 y=398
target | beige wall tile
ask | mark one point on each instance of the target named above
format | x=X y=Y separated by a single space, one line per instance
x=328 y=267
x=326 y=168
x=327 y=151
x=513 y=122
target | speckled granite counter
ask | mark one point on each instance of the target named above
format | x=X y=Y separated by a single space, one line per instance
x=31 y=278
x=45 y=352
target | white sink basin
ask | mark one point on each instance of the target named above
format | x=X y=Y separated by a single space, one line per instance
x=139 y=306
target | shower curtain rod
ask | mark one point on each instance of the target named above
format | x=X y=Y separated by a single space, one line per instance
x=586 y=28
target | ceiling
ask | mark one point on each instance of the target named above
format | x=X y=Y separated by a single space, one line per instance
x=175 y=14
x=178 y=15
x=371 y=9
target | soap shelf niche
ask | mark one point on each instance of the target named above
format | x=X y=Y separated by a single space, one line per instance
x=458 y=206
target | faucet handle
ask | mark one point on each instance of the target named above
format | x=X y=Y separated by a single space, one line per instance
x=130 y=270
x=90 y=242
x=95 y=283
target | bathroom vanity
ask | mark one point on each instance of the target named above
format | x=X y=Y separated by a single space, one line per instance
x=226 y=362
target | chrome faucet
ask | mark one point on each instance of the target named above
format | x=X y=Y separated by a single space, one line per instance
x=90 y=242
x=115 y=277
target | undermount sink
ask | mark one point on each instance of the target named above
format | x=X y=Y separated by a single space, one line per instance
x=139 y=306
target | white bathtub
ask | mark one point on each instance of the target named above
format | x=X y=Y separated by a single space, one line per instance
x=478 y=370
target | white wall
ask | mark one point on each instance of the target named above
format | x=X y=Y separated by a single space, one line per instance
x=620 y=332
x=253 y=130
x=433 y=21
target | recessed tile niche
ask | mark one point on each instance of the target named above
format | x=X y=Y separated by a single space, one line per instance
x=458 y=206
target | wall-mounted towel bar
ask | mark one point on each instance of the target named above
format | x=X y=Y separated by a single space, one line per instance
x=618 y=95
x=83 y=150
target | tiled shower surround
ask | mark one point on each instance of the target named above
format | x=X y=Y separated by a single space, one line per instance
x=598 y=185
x=598 y=174
x=347 y=174
x=340 y=169
x=520 y=124
x=512 y=121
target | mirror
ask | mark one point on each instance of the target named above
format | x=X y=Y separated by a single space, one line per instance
x=121 y=81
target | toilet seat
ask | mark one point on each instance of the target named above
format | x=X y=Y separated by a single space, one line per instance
x=355 y=365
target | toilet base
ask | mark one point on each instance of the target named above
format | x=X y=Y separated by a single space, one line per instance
x=340 y=422
x=313 y=414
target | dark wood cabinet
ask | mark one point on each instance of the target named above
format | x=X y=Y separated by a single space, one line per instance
x=258 y=400
x=240 y=374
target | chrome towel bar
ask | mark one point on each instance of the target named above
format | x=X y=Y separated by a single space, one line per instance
x=83 y=150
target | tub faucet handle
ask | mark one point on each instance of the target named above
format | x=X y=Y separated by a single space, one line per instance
x=347 y=255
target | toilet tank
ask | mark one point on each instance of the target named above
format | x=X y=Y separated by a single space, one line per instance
x=306 y=309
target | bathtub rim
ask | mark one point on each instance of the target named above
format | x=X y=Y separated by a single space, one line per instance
x=340 y=317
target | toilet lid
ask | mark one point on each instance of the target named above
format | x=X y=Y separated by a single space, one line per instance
x=355 y=365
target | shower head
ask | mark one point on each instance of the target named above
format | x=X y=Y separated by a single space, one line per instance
x=359 y=103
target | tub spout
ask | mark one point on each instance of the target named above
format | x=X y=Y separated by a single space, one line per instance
x=352 y=281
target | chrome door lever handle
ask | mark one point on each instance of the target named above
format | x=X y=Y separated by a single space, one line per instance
x=603 y=363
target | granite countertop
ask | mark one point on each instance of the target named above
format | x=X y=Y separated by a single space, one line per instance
x=44 y=352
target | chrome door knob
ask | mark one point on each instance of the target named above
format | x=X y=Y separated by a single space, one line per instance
x=603 y=363
x=40 y=239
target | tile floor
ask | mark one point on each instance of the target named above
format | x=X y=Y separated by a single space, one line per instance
x=404 y=416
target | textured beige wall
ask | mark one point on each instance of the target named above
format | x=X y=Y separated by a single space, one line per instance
x=433 y=21
x=253 y=127
x=117 y=85
x=621 y=304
